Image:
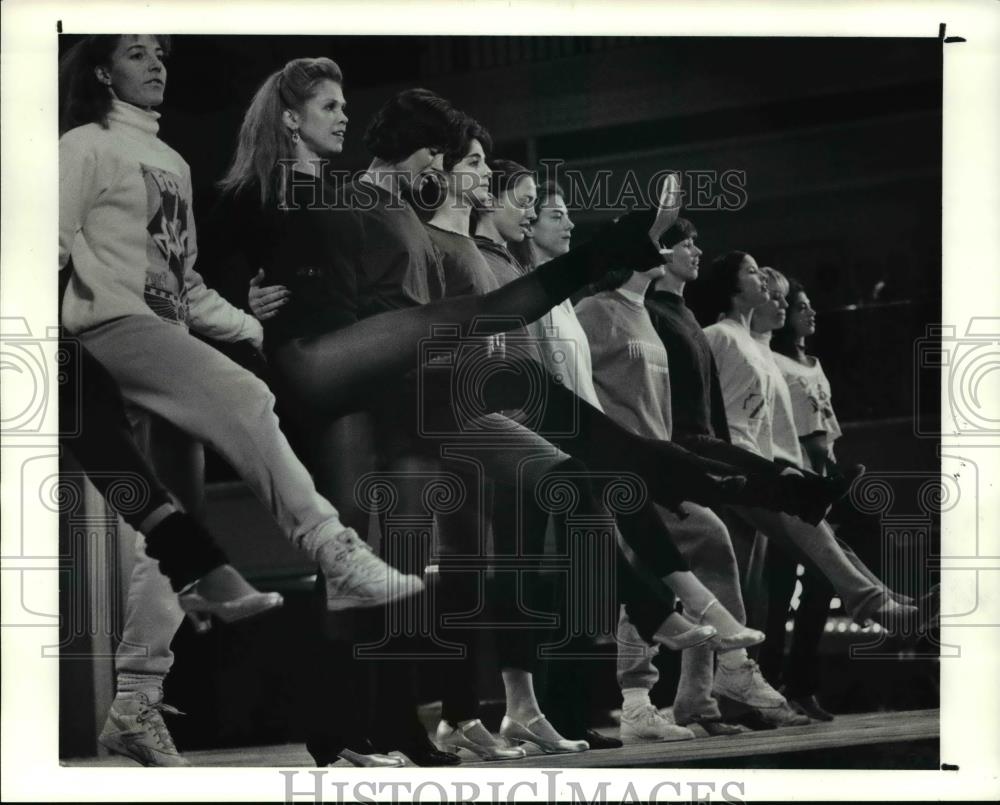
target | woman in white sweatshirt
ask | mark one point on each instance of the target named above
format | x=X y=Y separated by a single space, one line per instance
x=127 y=235
x=732 y=289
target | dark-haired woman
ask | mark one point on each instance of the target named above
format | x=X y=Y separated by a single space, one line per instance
x=395 y=261
x=800 y=673
x=127 y=229
x=810 y=424
x=519 y=210
x=733 y=289
x=366 y=252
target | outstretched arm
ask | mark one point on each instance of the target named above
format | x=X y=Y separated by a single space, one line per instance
x=266 y=300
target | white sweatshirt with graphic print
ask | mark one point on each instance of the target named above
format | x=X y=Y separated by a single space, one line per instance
x=747 y=386
x=125 y=220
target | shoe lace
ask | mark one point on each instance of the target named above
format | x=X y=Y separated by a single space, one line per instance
x=755 y=673
x=647 y=714
x=150 y=716
x=347 y=544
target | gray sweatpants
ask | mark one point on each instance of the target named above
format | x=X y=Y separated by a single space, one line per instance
x=163 y=369
x=704 y=543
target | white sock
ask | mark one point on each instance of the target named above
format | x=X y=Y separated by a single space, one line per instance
x=324 y=537
x=634 y=698
x=149 y=684
x=733 y=659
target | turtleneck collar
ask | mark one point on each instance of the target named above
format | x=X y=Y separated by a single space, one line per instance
x=126 y=114
x=764 y=338
x=637 y=299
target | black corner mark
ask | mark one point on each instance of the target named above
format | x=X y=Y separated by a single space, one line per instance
x=58 y=26
x=949 y=767
x=947 y=39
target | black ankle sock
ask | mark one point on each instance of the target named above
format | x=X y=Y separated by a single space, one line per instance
x=184 y=549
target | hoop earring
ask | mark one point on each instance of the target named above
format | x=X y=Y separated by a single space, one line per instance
x=295 y=137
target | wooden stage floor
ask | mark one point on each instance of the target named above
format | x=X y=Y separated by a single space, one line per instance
x=904 y=740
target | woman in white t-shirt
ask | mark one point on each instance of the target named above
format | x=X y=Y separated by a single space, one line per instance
x=815 y=421
x=732 y=290
x=803 y=416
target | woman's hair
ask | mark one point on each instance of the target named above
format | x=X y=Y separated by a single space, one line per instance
x=682 y=229
x=472 y=129
x=712 y=294
x=264 y=139
x=546 y=191
x=82 y=98
x=505 y=175
x=773 y=275
x=527 y=255
x=611 y=281
x=783 y=340
x=411 y=120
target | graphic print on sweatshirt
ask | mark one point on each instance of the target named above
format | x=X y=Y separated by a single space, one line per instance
x=167 y=245
x=652 y=356
x=754 y=413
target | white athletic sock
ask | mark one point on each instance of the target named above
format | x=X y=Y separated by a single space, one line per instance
x=634 y=698
x=150 y=684
x=733 y=659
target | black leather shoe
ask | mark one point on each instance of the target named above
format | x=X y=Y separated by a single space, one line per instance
x=810 y=707
x=752 y=719
x=716 y=726
x=424 y=756
x=599 y=741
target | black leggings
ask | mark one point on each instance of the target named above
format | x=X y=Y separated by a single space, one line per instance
x=427 y=406
x=94 y=427
x=517 y=595
x=333 y=370
x=801 y=673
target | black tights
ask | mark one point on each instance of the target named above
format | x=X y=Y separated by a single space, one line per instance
x=590 y=564
x=801 y=673
x=329 y=372
x=334 y=369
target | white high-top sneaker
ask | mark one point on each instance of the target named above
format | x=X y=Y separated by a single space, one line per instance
x=646 y=723
x=135 y=729
x=357 y=578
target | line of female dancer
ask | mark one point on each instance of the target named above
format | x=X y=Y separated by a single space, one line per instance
x=363 y=280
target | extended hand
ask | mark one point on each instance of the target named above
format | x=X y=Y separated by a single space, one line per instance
x=265 y=302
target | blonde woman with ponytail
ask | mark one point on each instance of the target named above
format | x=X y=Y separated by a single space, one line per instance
x=127 y=237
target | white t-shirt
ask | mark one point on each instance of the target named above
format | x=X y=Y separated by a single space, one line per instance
x=566 y=350
x=812 y=404
x=784 y=436
x=747 y=386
